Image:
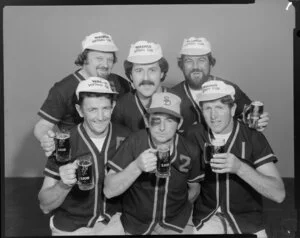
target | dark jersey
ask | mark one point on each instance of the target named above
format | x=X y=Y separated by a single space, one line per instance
x=82 y=208
x=190 y=110
x=59 y=106
x=239 y=202
x=150 y=200
x=130 y=112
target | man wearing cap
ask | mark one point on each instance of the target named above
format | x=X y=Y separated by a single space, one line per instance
x=235 y=181
x=154 y=205
x=196 y=61
x=146 y=68
x=97 y=58
x=77 y=212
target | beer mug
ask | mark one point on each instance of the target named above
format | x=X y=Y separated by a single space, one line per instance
x=62 y=146
x=252 y=113
x=216 y=146
x=163 y=161
x=84 y=172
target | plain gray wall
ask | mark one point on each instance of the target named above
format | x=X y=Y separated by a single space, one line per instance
x=253 y=45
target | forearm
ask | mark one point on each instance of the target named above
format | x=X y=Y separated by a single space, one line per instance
x=267 y=186
x=117 y=183
x=52 y=197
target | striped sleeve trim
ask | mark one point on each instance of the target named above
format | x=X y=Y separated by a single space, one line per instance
x=113 y=166
x=47 y=117
x=51 y=174
x=197 y=179
x=265 y=159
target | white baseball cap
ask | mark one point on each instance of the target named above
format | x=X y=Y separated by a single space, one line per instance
x=144 y=52
x=99 y=41
x=94 y=85
x=215 y=89
x=165 y=102
x=195 y=46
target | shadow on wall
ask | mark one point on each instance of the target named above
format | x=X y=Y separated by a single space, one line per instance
x=30 y=159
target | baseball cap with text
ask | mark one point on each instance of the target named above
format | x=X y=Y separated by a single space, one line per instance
x=215 y=89
x=144 y=52
x=99 y=41
x=165 y=102
x=195 y=46
x=94 y=85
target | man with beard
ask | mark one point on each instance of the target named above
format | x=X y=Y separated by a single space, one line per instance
x=238 y=175
x=146 y=68
x=152 y=204
x=97 y=58
x=195 y=62
x=76 y=211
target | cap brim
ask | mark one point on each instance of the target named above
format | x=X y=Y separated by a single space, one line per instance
x=195 y=51
x=210 y=97
x=144 y=59
x=164 y=110
x=95 y=91
x=104 y=48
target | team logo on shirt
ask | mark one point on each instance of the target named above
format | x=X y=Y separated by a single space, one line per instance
x=167 y=101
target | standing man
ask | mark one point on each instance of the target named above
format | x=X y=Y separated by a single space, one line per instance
x=97 y=58
x=153 y=205
x=195 y=62
x=235 y=181
x=146 y=68
x=77 y=212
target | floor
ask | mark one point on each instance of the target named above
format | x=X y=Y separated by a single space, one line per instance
x=23 y=216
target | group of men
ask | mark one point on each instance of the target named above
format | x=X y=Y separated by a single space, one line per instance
x=122 y=122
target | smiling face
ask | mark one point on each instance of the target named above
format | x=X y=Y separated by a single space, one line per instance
x=99 y=63
x=96 y=112
x=196 y=69
x=162 y=127
x=218 y=116
x=146 y=78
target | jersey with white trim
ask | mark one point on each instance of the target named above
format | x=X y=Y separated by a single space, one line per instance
x=151 y=200
x=190 y=109
x=59 y=106
x=82 y=208
x=130 y=112
x=240 y=203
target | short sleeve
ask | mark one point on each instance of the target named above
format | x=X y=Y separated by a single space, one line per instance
x=262 y=152
x=51 y=168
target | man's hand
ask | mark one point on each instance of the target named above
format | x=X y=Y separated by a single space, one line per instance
x=146 y=161
x=263 y=121
x=48 y=143
x=225 y=163
x=67 y=173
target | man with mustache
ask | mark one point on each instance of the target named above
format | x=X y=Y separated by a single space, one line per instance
x=152 y=204
x=146 y=68
x=195 y=62
x=97 y=58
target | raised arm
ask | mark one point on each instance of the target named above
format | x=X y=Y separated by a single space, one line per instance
x=117 y=183
x=265 y=179
x=54 y=192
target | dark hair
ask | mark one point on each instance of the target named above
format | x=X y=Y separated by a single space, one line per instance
x=163 y=64
x=82 y=57
x=83 y=95
x=225 y=100
x=211 y=59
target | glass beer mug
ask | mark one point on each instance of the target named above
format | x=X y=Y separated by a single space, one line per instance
x=163 y=161
x=216 y=146
x=252 y=113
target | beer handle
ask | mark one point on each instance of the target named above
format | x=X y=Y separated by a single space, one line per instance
x=246 y=112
